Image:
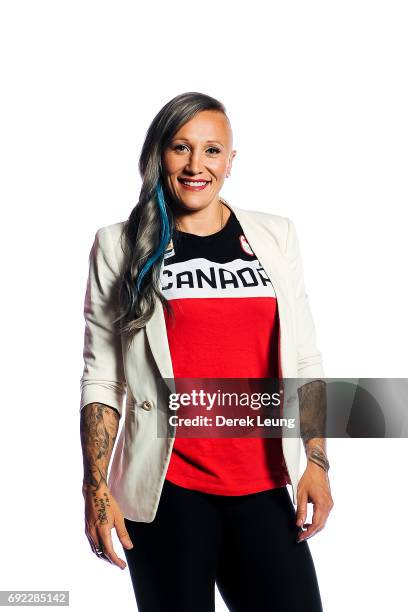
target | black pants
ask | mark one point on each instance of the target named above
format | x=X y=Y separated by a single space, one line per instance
x=245 y=544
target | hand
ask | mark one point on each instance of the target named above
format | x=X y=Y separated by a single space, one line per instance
x=102 y=513
x=314 y=486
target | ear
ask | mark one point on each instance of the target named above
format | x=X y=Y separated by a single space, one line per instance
x=233 y=154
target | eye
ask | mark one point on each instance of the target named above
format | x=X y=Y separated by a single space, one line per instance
x=177 y=146
x=216 y=149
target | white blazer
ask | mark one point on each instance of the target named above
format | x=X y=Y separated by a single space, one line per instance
x=114 y=371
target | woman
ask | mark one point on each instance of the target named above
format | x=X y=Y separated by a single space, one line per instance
x=191 y=286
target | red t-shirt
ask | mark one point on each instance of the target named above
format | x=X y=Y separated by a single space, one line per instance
x=226 y=326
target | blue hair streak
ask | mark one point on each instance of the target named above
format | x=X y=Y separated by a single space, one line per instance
x=164 y=236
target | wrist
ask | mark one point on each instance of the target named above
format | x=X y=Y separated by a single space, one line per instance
x=92 y=488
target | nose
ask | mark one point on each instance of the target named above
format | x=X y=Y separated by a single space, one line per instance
x=194 y=164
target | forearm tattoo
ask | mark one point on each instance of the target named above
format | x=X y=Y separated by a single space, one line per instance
x=317 y=454
x=313 y=412
x=99 y=428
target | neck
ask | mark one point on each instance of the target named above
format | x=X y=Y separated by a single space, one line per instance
x=204 y=221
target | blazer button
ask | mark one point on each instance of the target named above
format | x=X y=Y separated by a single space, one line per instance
x=147 y=405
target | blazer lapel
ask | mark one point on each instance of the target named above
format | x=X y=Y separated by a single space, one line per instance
x=157 y=336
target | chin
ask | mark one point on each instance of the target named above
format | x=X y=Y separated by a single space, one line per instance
x=190 y=205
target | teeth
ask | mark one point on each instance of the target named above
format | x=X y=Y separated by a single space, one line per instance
x=194 y=184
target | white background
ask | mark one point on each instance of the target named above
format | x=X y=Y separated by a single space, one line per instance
x=317 y=96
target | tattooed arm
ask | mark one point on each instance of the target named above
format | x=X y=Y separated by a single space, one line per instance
x=103 y=387
x=314 y=485
x=313 y=412
x=99 y=428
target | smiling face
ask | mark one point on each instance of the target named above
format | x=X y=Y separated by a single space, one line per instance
x=197 y=160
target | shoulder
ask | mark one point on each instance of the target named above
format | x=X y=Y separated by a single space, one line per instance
x=266 y=218
x=112 y=231
x=109 y=240
x=275 y=226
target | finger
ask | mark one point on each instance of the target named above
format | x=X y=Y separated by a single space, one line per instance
x=310 y=532
x=301 y=511
x=104 y=557
x=109 y=551
x=91 y=542
x=93 y=538
x=123 y=533
x=312 y=528
x=317 y=521
x=304 y=534
x=309 y=527
x=98 y=550
x=320 y=514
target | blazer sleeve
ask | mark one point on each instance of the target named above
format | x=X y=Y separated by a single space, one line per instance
x=309 y=357
x=103 y=379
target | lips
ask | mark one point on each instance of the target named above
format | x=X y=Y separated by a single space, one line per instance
x=193 y=184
